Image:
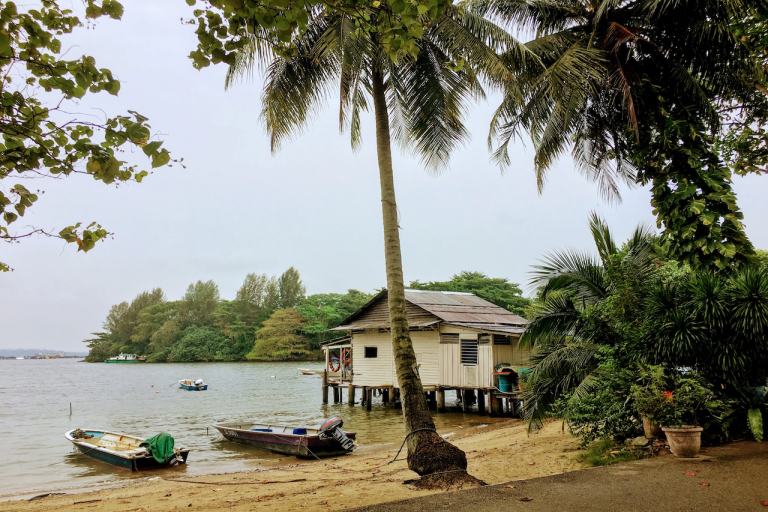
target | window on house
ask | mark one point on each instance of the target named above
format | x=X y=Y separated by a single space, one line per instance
x=448 y=337
x=469 y=352
x=371 y=351
x=499 y=339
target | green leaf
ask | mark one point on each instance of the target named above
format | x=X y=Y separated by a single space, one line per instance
x=152 y=147
x=755 y=418
x=161 y=158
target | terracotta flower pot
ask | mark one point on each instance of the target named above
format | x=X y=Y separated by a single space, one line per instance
x=685 y=441
x=652 y=429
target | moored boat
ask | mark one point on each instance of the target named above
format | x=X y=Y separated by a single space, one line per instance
x=128 y=452
x=126 y=358
x=327 y=440
x=305 y=371
x=193 y=385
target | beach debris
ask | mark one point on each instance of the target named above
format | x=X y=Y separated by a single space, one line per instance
x=86 y=501
x=215 y=490
x=444 y=436
x=531 y=463
x=41 y=496
x=526 y=499
x=689 y=474
x=509 y=487
x=764 y=503
x=705 y=484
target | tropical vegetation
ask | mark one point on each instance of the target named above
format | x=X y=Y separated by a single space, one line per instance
x=629 y=332
x=270 y=319
x=641 y=92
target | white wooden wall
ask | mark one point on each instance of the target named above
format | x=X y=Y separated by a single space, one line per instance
x=440 y=362
x=372 y=371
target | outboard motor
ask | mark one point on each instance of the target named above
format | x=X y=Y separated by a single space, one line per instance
x=332 y=429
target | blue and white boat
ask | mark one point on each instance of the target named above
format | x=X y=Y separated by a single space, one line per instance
x=196 y=385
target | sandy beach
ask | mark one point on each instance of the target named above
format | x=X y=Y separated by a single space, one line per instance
x=496 y=453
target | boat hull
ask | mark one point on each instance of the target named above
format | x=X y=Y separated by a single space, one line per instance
x=123 y=362
x=299 y=446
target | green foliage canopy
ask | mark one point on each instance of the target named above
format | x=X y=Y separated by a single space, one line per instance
x=39 y=140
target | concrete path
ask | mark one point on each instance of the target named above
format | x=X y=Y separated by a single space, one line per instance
x=737 y=475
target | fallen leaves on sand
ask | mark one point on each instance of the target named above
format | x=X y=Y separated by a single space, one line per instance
x=764 y=503
x=689 y=474
x=526 y=499
x=531 y=463
x=509 y=486
x=705 y=484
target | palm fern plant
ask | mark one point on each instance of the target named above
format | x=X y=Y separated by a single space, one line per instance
x=581 y=294
x=636 y=89
x=420 y=103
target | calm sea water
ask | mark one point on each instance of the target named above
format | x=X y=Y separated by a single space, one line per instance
x=145 y=399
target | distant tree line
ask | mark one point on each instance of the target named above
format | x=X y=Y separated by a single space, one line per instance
x=270 y=319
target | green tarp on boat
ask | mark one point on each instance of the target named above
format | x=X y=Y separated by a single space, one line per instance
x=160 y=446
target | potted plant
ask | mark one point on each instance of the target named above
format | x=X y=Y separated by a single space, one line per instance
x=649 y=399
x=681 y=426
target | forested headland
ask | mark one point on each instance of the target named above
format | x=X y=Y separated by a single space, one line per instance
x=270 y=319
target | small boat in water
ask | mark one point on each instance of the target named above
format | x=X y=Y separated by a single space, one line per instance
x=196 y=385
x=305 y=371
x=128 y=452
x=328 y=440
x=126 y=358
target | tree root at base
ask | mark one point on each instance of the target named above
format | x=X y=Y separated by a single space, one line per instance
x=446 y=481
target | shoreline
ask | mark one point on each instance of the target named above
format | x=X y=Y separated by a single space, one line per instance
x=496 y=453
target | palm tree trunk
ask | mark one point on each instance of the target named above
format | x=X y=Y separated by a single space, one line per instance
x=427 y=452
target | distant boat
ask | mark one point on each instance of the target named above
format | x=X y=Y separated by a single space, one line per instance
x=19 y=358
x=190 y=385
x=328 y=440
x=122 y=450
x=126 y=358
x=305 y=371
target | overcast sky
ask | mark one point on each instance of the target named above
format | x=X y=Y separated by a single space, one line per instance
x=237 y=209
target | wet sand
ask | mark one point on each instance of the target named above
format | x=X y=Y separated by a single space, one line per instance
x=496 y=453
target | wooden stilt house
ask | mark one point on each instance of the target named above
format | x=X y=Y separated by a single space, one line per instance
x=458 y=338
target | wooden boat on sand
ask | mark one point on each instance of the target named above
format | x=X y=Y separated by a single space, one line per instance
x=328 y=440
x=125 y=451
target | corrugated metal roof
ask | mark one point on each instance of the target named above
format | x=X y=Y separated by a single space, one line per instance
x=456 y=308
x=461 y=307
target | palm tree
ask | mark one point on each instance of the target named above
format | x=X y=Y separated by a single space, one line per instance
x=420 y=102
x=568 y=341
x=636 y=89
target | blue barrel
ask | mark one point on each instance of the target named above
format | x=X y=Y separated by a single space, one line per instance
x=505 y=383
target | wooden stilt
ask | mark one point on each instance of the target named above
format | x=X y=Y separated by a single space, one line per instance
x=464 y=405
x=440 y=400
x=480 y=401
x=369 y=399
x=491 y=409
x=512 y=406
x=351 y=394
x=335 y=394
x=365 y=395
x=499 y=406
x=325 y=386
x=385 y=395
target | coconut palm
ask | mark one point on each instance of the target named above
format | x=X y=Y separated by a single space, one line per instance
x=420 y=103
x=613 y=78
x=567 y=341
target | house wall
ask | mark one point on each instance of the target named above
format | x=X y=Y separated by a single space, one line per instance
x=372 y=371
